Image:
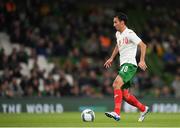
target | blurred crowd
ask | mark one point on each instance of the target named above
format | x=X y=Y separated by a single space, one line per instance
x=78 y=39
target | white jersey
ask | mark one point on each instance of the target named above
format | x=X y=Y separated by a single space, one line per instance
x=127 y=42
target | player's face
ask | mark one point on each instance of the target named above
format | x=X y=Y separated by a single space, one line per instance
x=117 y=23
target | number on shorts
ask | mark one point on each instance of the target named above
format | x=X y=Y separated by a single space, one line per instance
x=124 y=69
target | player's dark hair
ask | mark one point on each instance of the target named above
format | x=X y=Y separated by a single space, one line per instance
x=122 y=17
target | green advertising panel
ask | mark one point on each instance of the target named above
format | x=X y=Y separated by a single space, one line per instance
x=59 y=105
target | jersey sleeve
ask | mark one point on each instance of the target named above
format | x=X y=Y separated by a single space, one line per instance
x=134 y=38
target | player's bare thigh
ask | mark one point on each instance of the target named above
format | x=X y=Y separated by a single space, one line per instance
x=118 y=82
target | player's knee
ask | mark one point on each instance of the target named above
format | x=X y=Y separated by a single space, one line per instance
x=117 y=85
x=126 y=96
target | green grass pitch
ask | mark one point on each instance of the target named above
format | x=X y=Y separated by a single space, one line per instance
x=72 y=119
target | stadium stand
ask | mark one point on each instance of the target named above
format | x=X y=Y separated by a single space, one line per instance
x=57 y=48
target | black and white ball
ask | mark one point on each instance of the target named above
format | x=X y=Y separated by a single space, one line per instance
x=88 y=115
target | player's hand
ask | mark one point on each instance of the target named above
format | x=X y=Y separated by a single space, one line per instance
x=108 y=63
x=142 y=65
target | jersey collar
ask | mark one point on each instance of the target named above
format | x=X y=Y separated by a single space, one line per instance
x=124 y=30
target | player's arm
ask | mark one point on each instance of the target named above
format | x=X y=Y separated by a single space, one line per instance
x=108 y=63
x=136 y=40
x=142 y=63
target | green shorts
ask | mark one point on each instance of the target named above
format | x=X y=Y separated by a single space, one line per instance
x=127 y=72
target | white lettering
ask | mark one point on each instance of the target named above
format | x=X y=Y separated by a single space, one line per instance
x=30 y=108
x=18 y=108
x=155 y=108
x=11 y=108
x=38 y=108
x=52 y=108
x=59 y=108
x=129 y=108
x=44 y=108
x=4 y=106
x=168 y=108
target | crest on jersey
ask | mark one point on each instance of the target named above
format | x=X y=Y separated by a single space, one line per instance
x=124 y=41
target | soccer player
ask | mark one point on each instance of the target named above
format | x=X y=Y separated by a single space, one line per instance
x=127 y=43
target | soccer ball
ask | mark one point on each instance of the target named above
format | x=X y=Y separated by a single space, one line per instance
x=88 y=115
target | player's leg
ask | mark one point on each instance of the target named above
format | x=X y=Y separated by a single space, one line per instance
x=118 y=94
x=128 y=73
x=117 y=84
x=129 y=98
x=125 y=74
